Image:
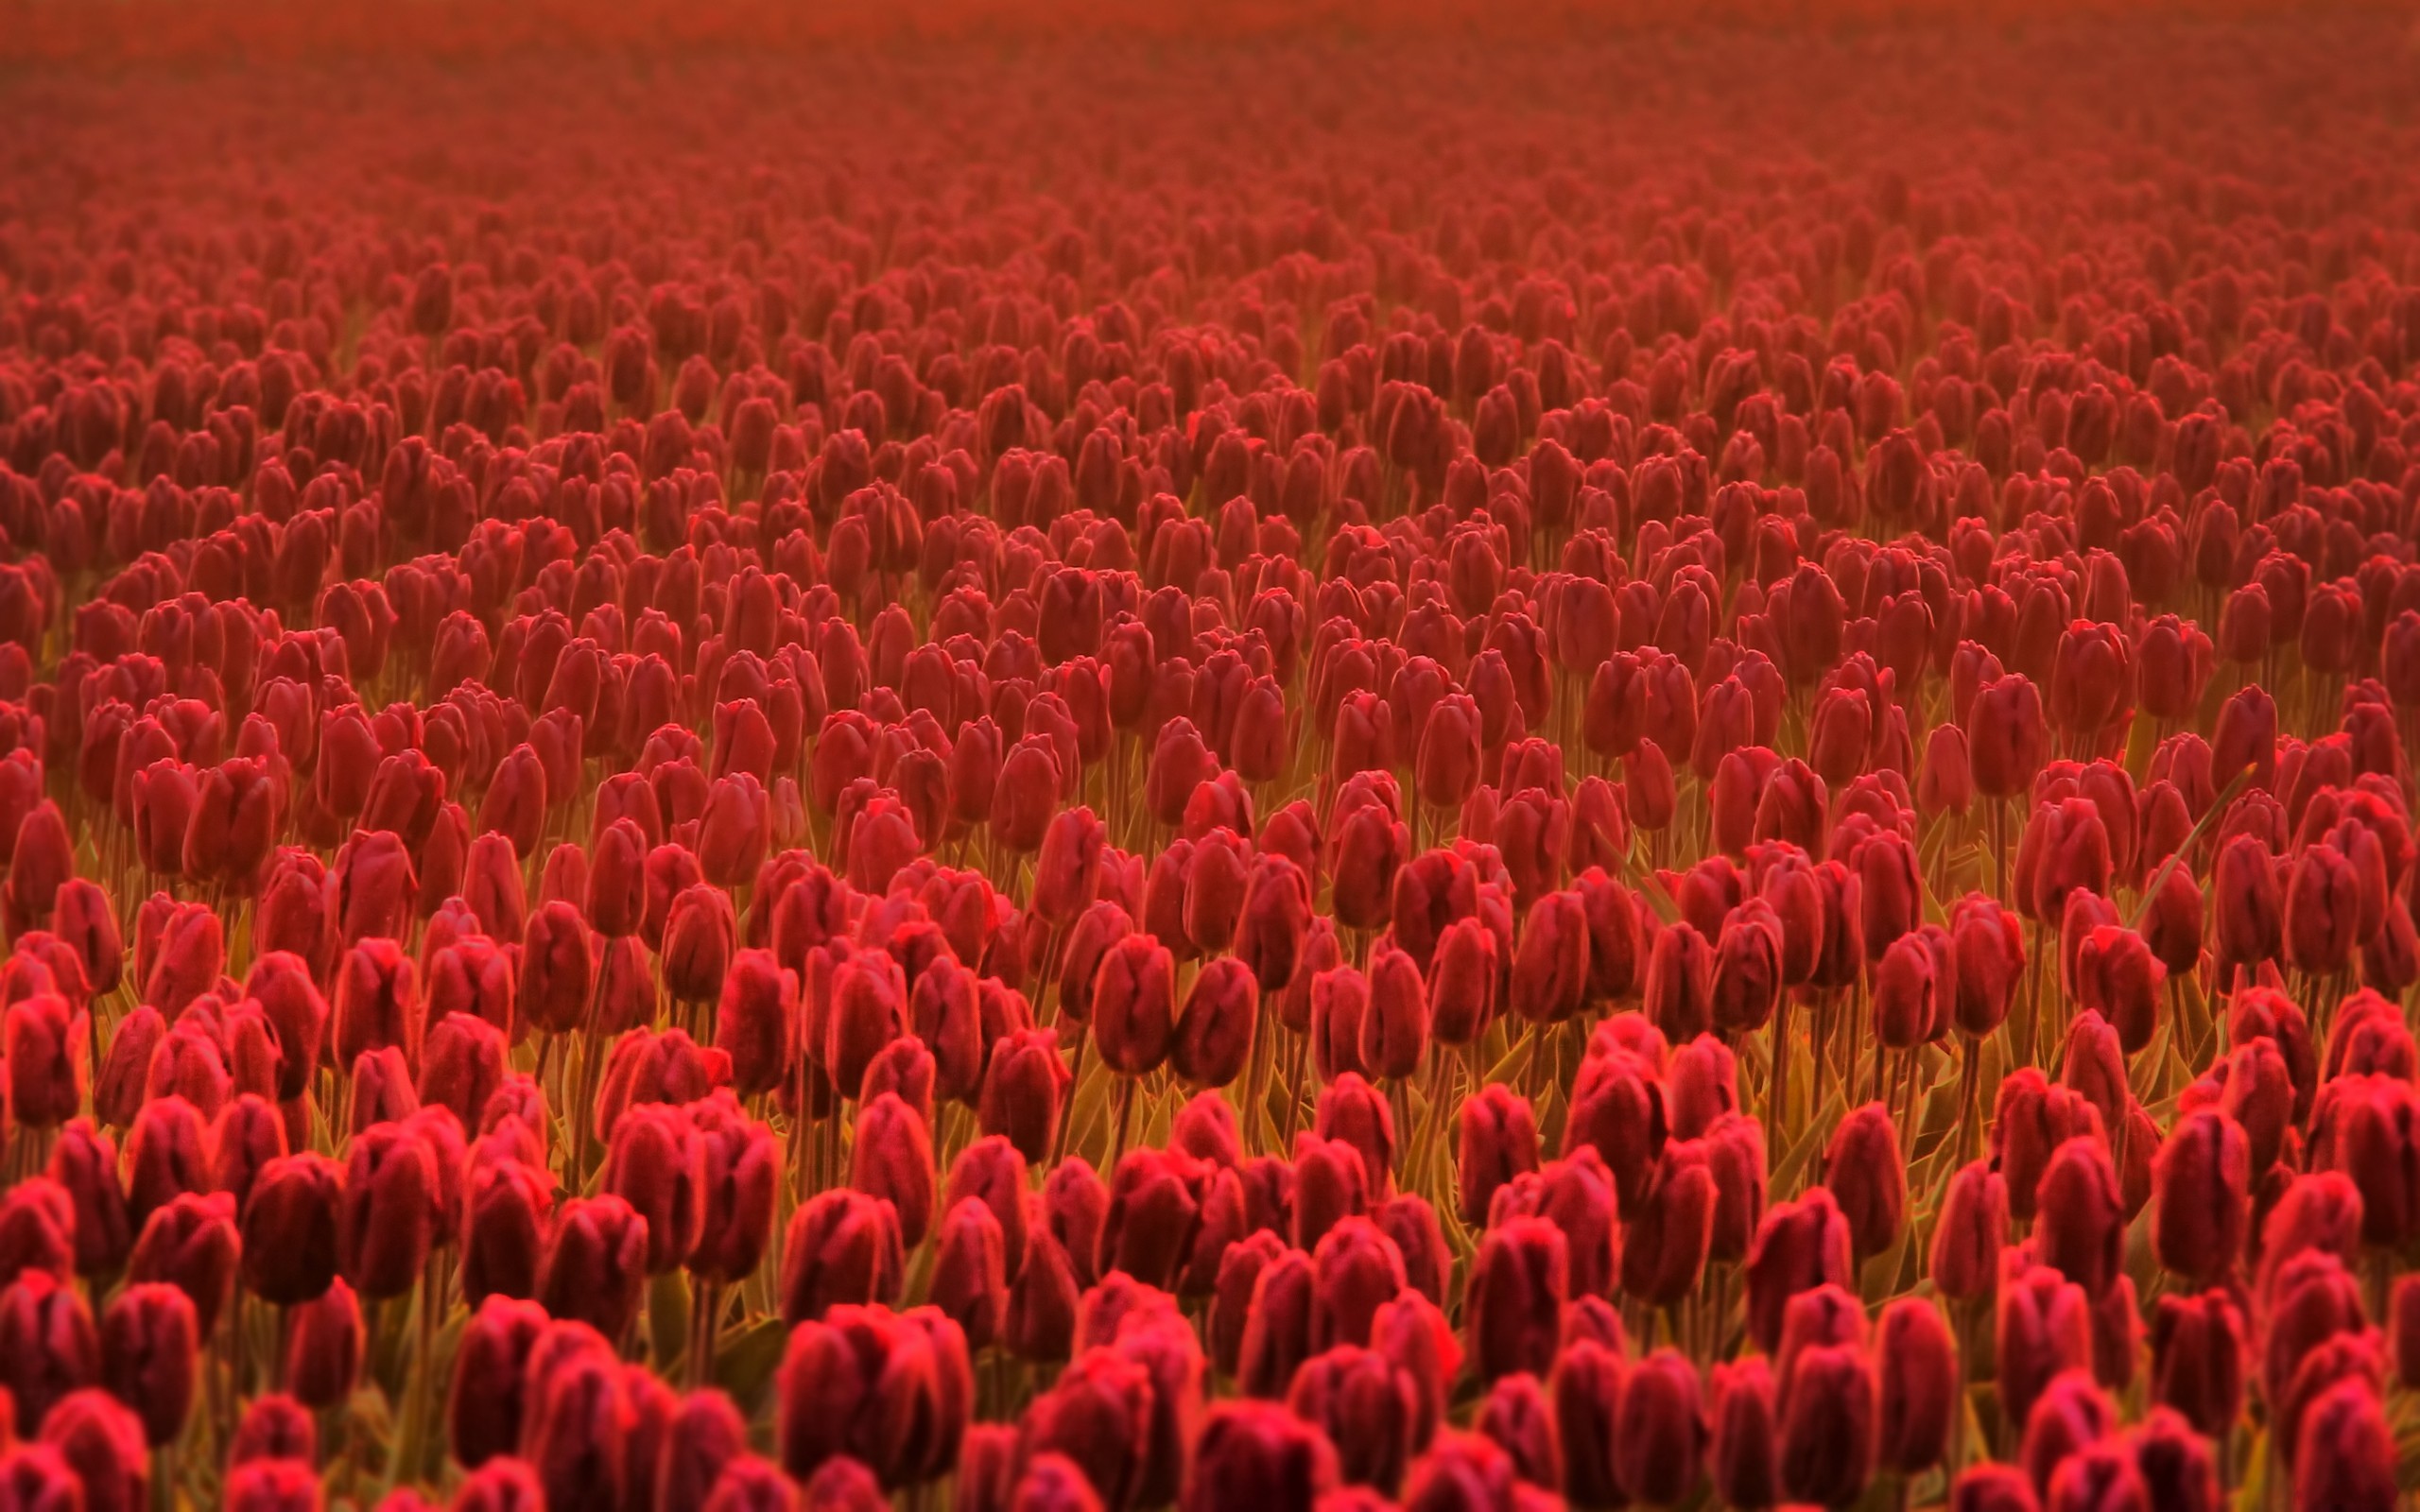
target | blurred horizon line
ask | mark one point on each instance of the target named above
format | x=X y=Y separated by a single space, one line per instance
x=156 y=31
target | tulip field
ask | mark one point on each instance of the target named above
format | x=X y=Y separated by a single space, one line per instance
x=1470 y=758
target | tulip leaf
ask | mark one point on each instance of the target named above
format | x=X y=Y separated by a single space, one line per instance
x=745 y=1362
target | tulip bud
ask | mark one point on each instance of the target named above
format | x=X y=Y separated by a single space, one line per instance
x=595 y=1264
x=1517 y=1418
x=1498 y=1141
x=2346 y=1455
x=387 y=1219
x=1462 y=1472
x=1861 y=1166
x=1828 y=1424
x=275 y=1427
x=1549 y=979
x=2197 y=1357
x=1024 y=1088
x=1252 y=1454
x=893 y=1159
x=102 y=1444
x=191 y=1243
x=1134 y=1005
x=656 y=1163
x=1097 y=1417
x=48 y=1348
x=2081 y=1223
x=1153 y=1213
x=1214 y=1033
x=167 y=1156
x=1368 y=1407
x=1800 y=1245
x=325 y=1344
x=756 y=1021
x=2043 y=1328
x=1744 y=1455
x=842 y=1247
x=150 y=1338
x=1512 y=1304
x=1919 y=1385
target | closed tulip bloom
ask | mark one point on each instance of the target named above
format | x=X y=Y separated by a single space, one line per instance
x=1098 y=1416
x=1154 y=1212
x=1214 y=1031
x=1463 y=982
x=1745 y=984
x=893 y=1160
x=1462 y=1472
x=1339 y=1002
x=275 y=1427
x=970 y=1271
x=1517 y=1416
x=1076 y=1205
x=656 y=1163
x=1861 y=1166
x=2247 y=904
x=756 y=1021
x=373 y=886
x=1252 y=1455
x=167 y=1156
x=1395 y=1026
x=2043 y=1328
x=462 y=1062
x=2198 y=1359
x=2345 y=1457
x=1513 y=1303
x=85 y=920
x=1353 y=1113
x=2071 y=1414
x=1550 y=968
x=1274 y=921
x=1368 y=1407
x=1497 y=1142
x=1024 y=1086
x=1671 y=1230
x=741 y=1167
x=324 y=1345
x=1907 y=993
x=185 y=962
x=1134 y=1005
x=1919 y=1385
x=1680 y=981
x=40 y=864
x=699 y=934
x=1800 y=1245
x=842 y=1247
x=1277 y=1337
x=558 y=969
x=387 y=1219
x=1744 y=1455
x=192 y=1243
x=1974 y=1224
x=2005 y=732
x=506 y=1206
x=1660 y=1429
x=596 y=1263
x=1993 y=1488
x=48 y=1347
x=576 y=1430
x=2030 y=1119
x=1829 y=1425
x=150 y=1338
x=1369 y=844
x=2081 y=1226
x=84 y=1164
x=290 y=1228
x=2202 y=1178
x=37 y=1224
